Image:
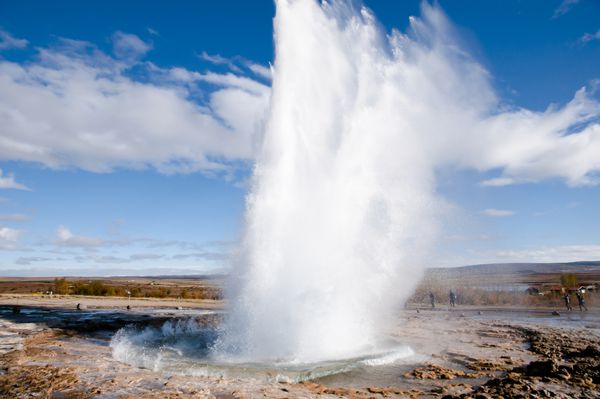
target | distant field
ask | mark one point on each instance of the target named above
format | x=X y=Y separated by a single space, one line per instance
x=136 y=287
x=499 y=284
x=523 y=284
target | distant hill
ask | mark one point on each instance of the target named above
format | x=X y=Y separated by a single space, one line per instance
x=522 y=268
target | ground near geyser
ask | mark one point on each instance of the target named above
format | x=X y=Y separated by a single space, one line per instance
x=47 y=352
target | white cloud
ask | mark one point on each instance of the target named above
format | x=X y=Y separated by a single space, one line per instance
x=15 y=217
x=27 y=260
x=559 y=253
x=260 y=70
x=66 y=238
x=9 y=237
x=564 y=8
x=77 y=107
x=497 y=213
x=128 y=46
x=217 y=59
x=8 y=181
x=236 y=64
x=533 y=146
x=460 y=237
x=563 y=253
x=498 y=182
x=8 y=41
x=588 y=37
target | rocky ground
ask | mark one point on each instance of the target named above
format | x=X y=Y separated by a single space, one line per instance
x=65 y=355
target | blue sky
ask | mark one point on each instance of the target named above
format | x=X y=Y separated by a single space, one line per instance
x=130 y=127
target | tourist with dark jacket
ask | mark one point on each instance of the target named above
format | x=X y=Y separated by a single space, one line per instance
x=581 y=301
x=567 y=299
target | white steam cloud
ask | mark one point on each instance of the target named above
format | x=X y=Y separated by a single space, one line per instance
x=343 y=204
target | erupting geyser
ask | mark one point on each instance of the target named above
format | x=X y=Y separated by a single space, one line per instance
x=341 y=204
x=342 y=207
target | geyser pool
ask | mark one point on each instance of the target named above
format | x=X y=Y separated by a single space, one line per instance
x=182 y=346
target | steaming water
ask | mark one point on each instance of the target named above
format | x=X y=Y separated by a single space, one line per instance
x=341 y=207
x=182 y=346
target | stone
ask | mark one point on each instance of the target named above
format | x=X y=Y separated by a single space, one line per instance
x=542 y=368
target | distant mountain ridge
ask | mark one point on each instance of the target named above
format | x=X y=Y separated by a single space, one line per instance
x=503 y=268
x=517 y=272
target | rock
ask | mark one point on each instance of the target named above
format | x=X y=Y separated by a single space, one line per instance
x=542 y=368
x=435 y=372
x=590 y=351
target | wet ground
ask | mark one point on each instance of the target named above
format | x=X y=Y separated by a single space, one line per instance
x=57 y=353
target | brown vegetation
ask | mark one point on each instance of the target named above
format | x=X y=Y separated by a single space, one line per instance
x=121 y=287
x=470 y=294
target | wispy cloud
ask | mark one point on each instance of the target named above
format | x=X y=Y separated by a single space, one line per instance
x=9 y=237
x=7 y=181
x=28 y=260
x=66 y=238
x=260 y=70
x=236 y=64
x=478 y=237
x=562 y=253
x=564 y=8
x=213 y=256
x=552 y=254
x=128 y=46
x=588 y=37
x=8 y=41
x=498 y=182
x=14 y=217
x=497 y=213
x=217 y=59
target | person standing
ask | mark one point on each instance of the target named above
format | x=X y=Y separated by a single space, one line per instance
x=452 y=296
x=432 y=299
x=581 y=301
x=567 y=299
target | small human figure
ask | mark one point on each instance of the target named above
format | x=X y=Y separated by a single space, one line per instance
x=581 y=301
x=567 y=299
x=432 y=299
x=452 y=297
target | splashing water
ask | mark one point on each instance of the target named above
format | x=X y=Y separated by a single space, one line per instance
x=342 y=208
